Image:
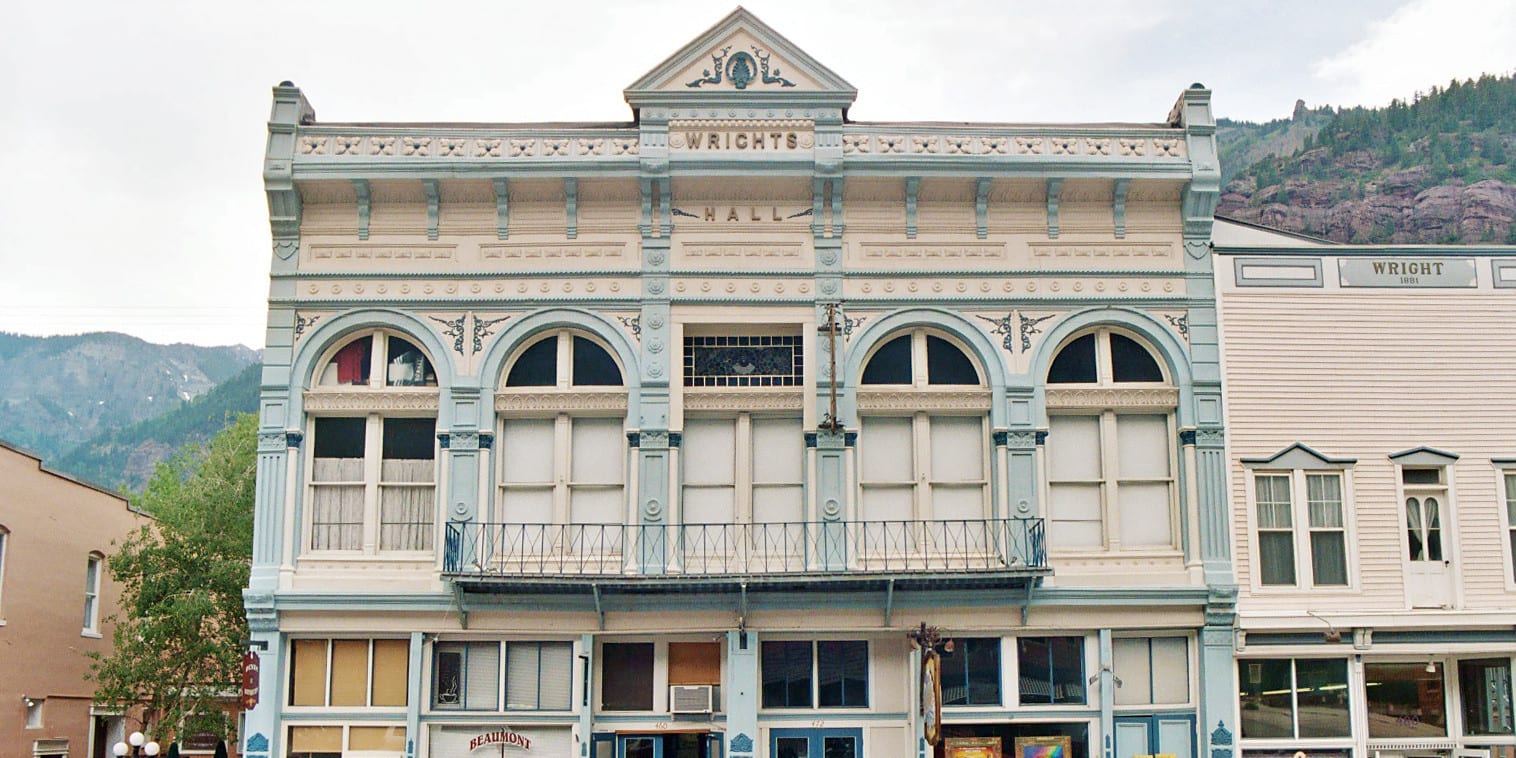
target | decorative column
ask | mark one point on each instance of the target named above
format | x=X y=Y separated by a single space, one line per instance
x=417 y=693
x=654 y=441
x=464 y=445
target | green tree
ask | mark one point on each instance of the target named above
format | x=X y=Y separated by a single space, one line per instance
x=178 y=636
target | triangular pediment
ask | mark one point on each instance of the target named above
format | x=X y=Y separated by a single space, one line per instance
x=740 y=59
x=1299 y=456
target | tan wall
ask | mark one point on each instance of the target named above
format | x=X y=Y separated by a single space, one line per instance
x=54 y=524
x=1363 y=375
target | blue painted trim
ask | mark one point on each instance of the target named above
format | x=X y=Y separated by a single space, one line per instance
x=360 y=186
x=810 y=439
x=1156 y=334
x=1041 y=437
x=912 y=189
x=502 y=207
x=444 y=440
x=676 y=439
x=1187 y=437
x=982 y=207
x=433 y=206
x=1118 y=207
x=1000 y=437
x=486 y=440
x=293 y=439
x=849 y=439
x=1326 y=459
x=1431 y=451
x=633 y=440
x=1054 y=189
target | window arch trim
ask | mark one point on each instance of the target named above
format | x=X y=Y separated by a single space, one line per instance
x=1172 y=355
x=965 y=335
x=330 y=334
x=522 y=331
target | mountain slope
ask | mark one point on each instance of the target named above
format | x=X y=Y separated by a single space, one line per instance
x=125 y=457
x=57 y=392
x=1438 y=169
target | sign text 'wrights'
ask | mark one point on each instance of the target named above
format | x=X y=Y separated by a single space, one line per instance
x=746 y=140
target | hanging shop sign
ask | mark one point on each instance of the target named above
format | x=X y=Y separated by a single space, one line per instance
x=249 y=691
x=931 y=697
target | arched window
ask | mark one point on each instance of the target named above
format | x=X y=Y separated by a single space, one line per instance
x=1110 y=450
x=923 y=432
x=562 y=444
x=373 y=447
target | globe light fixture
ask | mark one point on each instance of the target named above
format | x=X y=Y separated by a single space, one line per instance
x=139 y=746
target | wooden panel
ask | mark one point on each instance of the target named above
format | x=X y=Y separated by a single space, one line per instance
x=694 y=663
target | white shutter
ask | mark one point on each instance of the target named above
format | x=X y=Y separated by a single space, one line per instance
x=599 y=448
x=888 y=503
x=1074 y=513
x=1144 y=515
x=1144 y=505
x=1073 y=461
x=1143 y=446
x=1171 y=670
x=1134 y=668
x=1073 y=448
x=556 y=676
x=482 y=688
x=957 y=449
x=522 y=674
x=885 y=444
x=526 y=451
x=778 y=470
x=710 y=466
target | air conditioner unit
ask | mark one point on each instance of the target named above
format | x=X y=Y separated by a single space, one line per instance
x=691 y=698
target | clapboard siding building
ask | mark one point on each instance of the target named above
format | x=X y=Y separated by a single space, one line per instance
x=655 y=439
x=1373 y=483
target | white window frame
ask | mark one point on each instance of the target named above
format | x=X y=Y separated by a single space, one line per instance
x=374 y=402
x=5 y=536
x=744 y=473
x=1504 y=468
x=94 y=577
x=1357 y=706
x=1300 y=529
x=502 y=685
x=1108 y=400
x=920 y=401
x=1192 y=673
x=326 y=685
x=346 y=726
x=1010 y=663
x=563 y=402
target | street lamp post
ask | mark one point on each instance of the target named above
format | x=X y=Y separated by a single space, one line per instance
x=136 y=745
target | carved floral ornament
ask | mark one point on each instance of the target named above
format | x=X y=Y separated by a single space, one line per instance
x=1165 y=397
x=964 y=144
x=929 y=400
x=442 y=146
x=355 y=400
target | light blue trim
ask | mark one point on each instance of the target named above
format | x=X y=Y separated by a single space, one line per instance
x=1118 y=207
x=1156 y=334
x=433 y=206
x=361 y=187
x=331 y=330
x=502 y=207
x=912 y=189
x=984 y=351
x=521 y=329
x=420 y=689
x=982 y=207
x=1054 y=191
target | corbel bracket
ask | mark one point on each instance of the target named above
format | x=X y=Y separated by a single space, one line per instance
x=433 y=201
x=458 y=604
x=1118 y=207
x=645 y=226
x=502 y=207
x=889 y=601
x=1055 y=186
x=982 y=207
x=571 y=206
x=837 y=206
x=912 y=188
x=361 y=187
x=665 y=213
x=599 y=610
x=818 y=202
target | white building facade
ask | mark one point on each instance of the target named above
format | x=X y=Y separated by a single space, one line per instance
x=655 y=439
x=1374 y=494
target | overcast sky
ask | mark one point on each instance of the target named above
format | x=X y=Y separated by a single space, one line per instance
x=131 y=134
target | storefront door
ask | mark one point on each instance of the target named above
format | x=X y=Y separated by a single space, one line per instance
x=1155 y=735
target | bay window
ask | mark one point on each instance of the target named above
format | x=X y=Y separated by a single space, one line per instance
x=1110 y=454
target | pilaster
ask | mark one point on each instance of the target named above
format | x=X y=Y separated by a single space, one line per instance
x=465 y=444
x=742 y=692
x=262 y=721
x=831 y=497
x=268 y=508
x=1107 y=678
x=653 y=440
x=416 y=695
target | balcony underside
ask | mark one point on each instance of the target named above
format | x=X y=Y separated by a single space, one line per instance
x=685 y=584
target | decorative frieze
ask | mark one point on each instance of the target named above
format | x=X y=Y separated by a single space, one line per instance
x=562 y=251
x=320 y=400
x=458 y=146
x=916 y=250
x=1098 y=250
x=552 y=402
x=1157 y=397
x=741 y=250
x=1007 y=144
x=918 y=400
x=383 y=252
x=725 y=400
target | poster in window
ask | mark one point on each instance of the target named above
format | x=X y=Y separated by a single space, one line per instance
x=1045 y=747
x=973 y=747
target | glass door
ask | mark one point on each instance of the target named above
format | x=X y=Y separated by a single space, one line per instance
x=816 y=743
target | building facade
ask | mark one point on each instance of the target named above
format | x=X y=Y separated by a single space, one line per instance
x=657 y=439
x=1374 y=494
x=55 y=598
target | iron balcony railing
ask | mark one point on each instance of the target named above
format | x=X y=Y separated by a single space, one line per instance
x=775 y=548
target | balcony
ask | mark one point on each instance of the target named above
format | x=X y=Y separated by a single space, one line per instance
x=783 y=556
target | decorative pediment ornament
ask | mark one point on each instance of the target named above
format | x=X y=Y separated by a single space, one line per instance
x=741 y=59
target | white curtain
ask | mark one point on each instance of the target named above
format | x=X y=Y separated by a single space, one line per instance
x=407 y=500
x=337 y=504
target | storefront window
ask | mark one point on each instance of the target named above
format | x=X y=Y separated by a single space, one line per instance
x=1052 y=670
x=1405 y=699
x=1486 y=688
x=971 y=672
x=1303 y=699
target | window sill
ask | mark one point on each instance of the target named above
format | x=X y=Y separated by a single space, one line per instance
x=90 y=634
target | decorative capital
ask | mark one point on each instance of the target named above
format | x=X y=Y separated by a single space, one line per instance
x=486 y=440
x=293 y=439
x=1210 y=438
x=273 y=442
x=466 y=440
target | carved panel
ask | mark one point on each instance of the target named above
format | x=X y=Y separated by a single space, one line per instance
x=1088 y=250
x=381 y=252
x=458 y=147
x=741 y=249
x=716 y=400
x=516 y=400
x=923 y=400
x=553 y=250
x=984 y=250
x=363 y=400
x=1158 y=397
